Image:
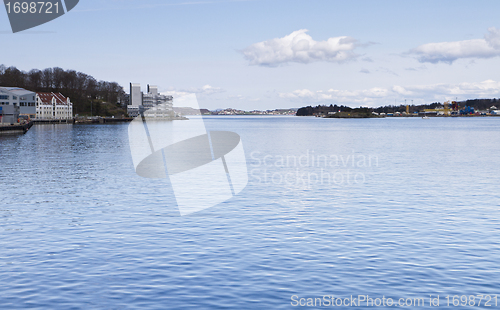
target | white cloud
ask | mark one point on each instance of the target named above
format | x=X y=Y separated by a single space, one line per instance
x=387 y=71
x=378 y=96
x=208 y=90
x=338 y=96
x=401 y=90
x=466 y=90
x=300 y=47
x=205 y=90
x=448 y=52
x=243 y=98
x=300 y=93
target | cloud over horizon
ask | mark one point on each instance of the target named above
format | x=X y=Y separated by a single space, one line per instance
x=448 y=52
x=377 y=96
x=205 y=90
x=301 y=48
x=341 y=96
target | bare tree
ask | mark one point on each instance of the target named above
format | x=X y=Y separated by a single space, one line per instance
x=35 y=79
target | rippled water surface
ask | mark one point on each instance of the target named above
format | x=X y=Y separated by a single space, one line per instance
x=379 y=207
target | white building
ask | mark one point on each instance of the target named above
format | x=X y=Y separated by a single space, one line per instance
x=53 y=106
x=135 y=94
x=152 y=104
x=16 y=101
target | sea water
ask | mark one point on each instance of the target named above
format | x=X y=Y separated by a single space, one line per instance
x=334 y=210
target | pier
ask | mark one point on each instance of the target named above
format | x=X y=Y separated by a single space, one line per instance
x=54 y=121
x=102 y=120
x=16 y=128
x=81 y=120
x=22 y=128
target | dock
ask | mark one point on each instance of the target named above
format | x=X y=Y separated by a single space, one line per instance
x=81 y=120
x=54 y=121
x=102 y=120
x=16 y=128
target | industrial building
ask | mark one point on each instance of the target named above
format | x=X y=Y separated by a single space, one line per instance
x=15 y=101
x=152 y=104
x=53 y=106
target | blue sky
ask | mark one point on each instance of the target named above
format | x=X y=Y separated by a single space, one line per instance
x=258 y=54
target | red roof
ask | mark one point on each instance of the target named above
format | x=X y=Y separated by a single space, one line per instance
x=47 y=98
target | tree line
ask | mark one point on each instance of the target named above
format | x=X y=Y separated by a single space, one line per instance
x=322 y=109
x=477 y=104
x=84 y=91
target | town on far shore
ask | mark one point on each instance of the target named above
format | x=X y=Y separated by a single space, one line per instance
x=471 y=107
x=55 y=95
x=152 y=104
x=19 y=105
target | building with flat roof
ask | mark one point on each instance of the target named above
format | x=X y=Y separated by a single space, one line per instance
x=53 y=106
x=135 y=94
x=152 y=104
x=17 y=101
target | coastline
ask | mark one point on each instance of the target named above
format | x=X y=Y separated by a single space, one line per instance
x=16 y=128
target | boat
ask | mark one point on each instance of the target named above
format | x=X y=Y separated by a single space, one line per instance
x=426 y=117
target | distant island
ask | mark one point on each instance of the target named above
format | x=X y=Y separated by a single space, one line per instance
x=471 y=107
x=230 y=111
x=337 y=112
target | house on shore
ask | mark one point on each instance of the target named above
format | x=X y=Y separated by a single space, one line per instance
x=53 y=106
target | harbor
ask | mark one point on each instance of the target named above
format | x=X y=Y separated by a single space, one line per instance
x=16 y=128
x=25 y=125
